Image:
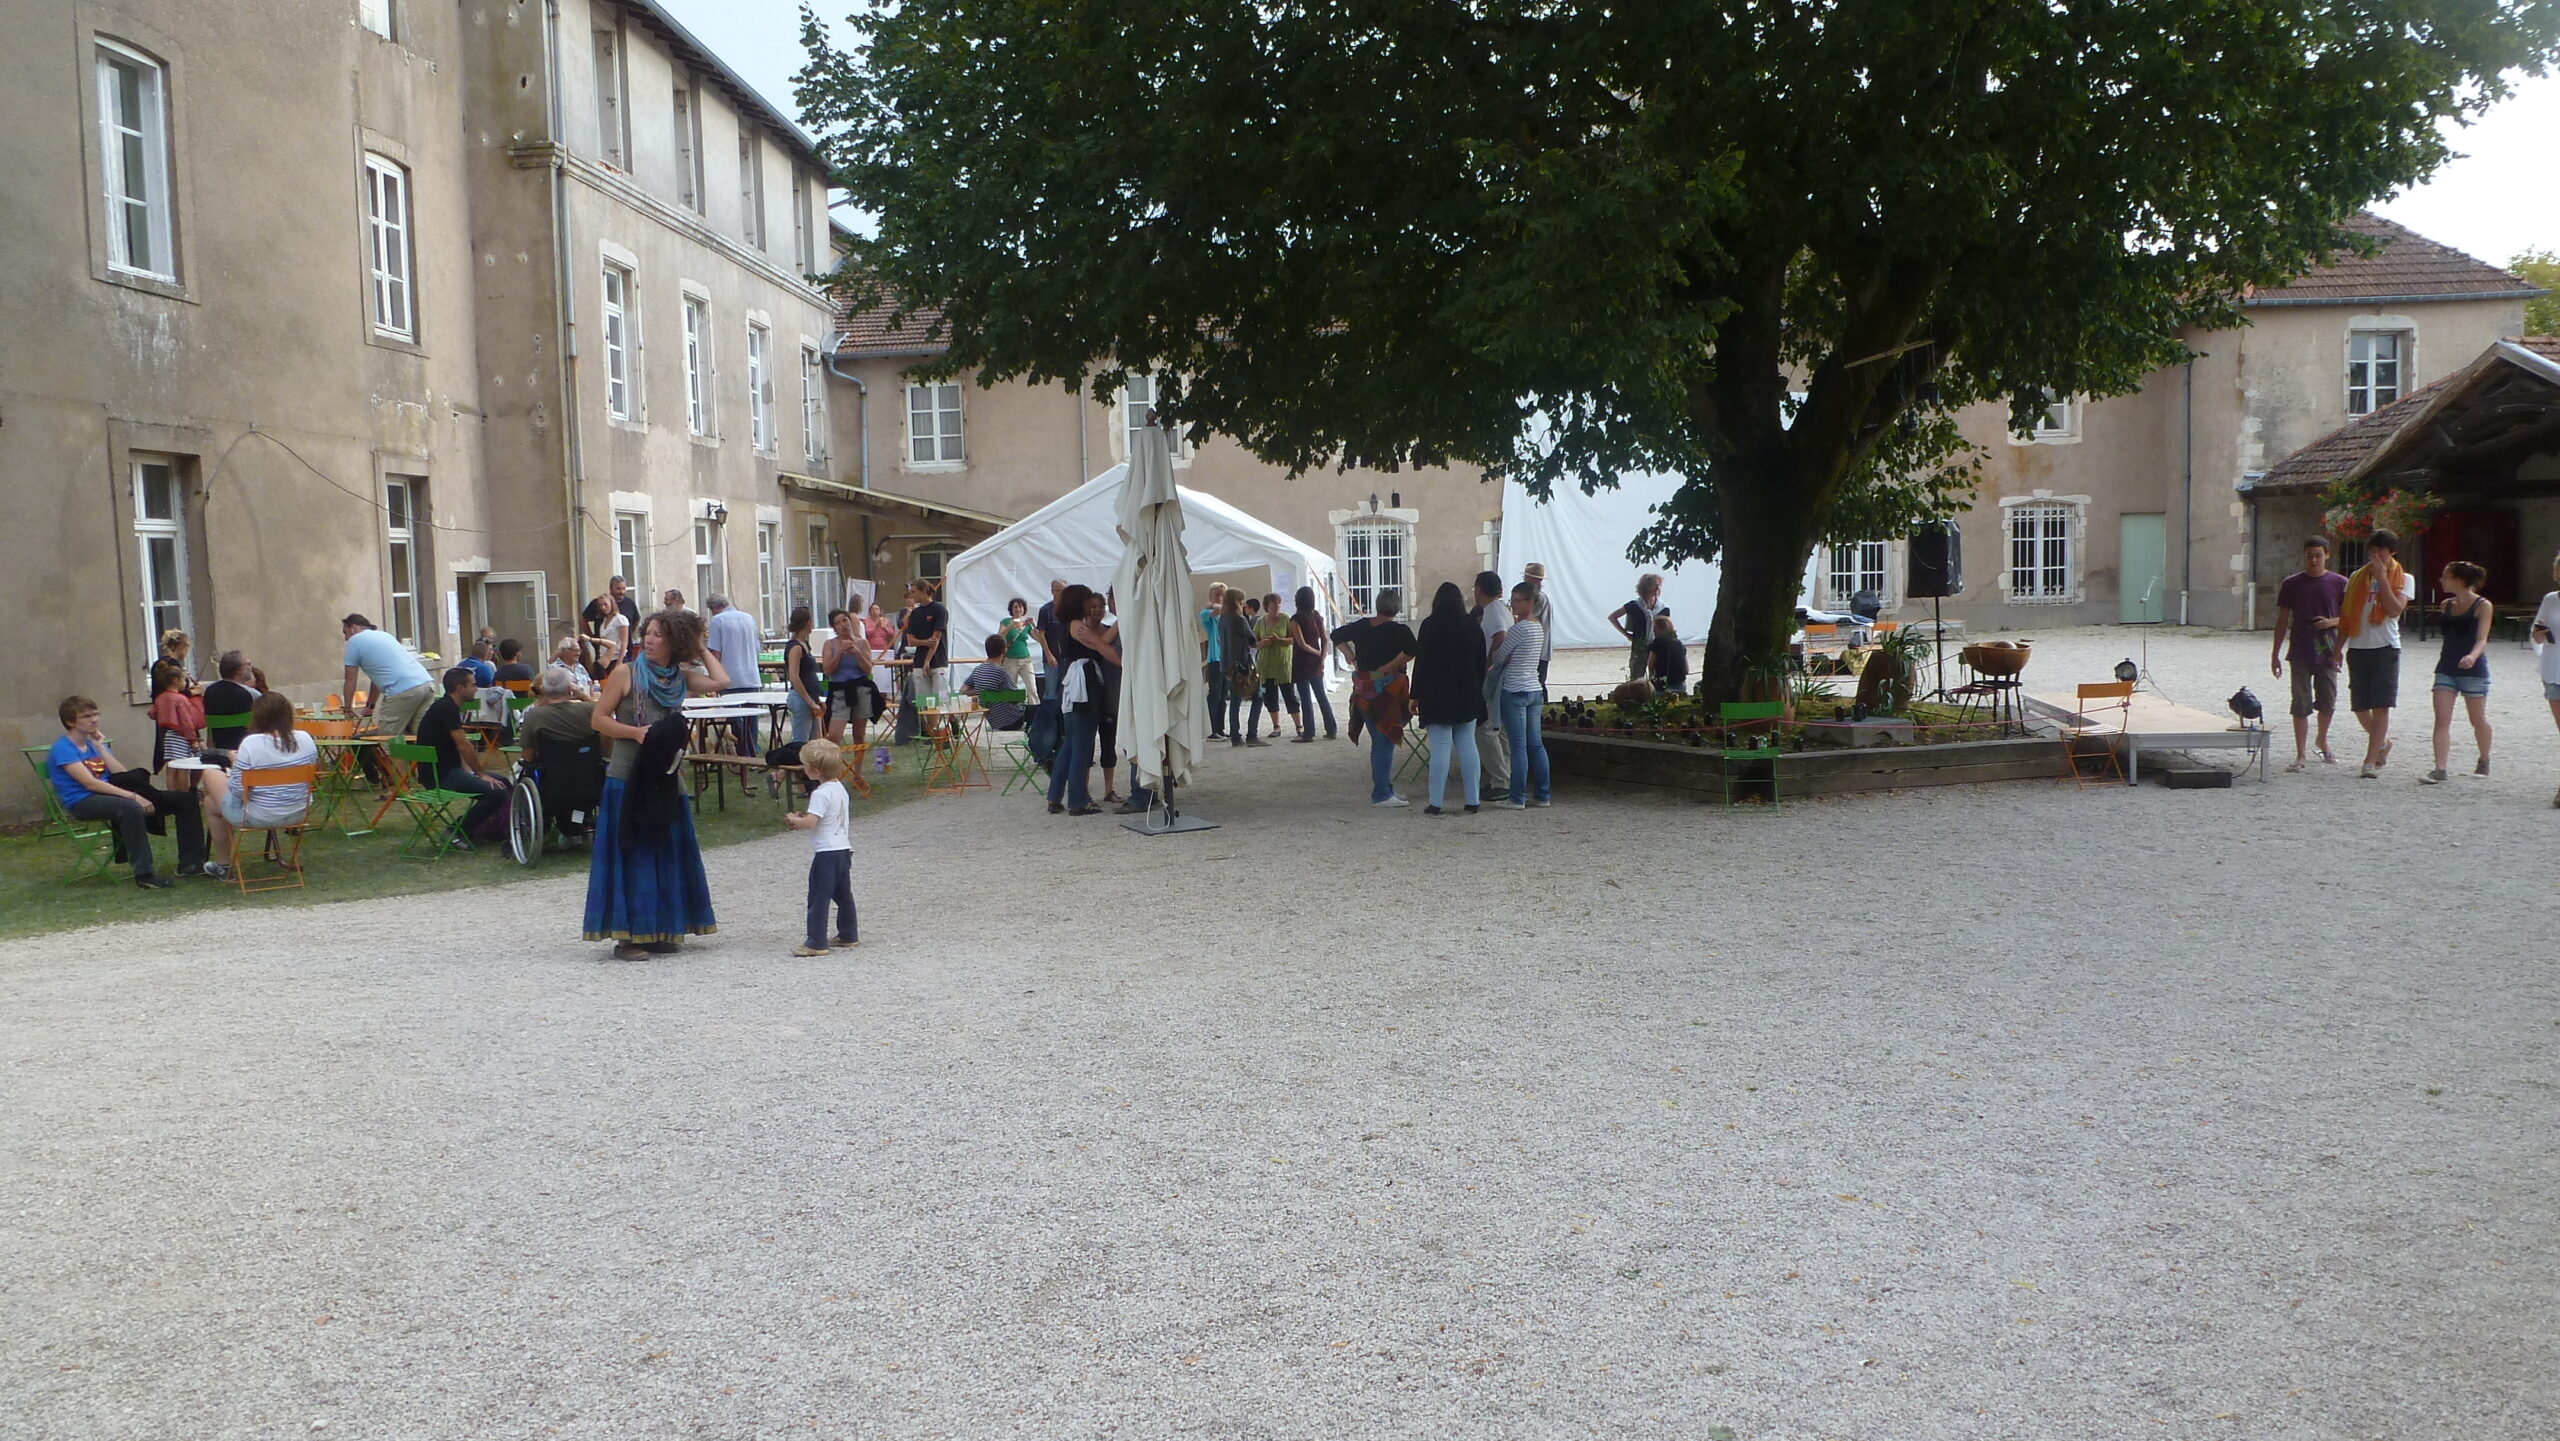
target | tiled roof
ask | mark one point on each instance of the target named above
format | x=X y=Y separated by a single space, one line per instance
x=2333 y=455
x=2409 y=266
x=868 y=332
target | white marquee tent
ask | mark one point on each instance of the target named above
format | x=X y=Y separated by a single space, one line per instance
x=1076 y=538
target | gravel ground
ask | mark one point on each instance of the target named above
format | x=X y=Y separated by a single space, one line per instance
x=2011 y=1111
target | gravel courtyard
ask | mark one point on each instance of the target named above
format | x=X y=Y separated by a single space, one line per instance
x=2013 y=1111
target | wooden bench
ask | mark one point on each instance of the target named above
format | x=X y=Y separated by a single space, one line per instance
x=718 y=765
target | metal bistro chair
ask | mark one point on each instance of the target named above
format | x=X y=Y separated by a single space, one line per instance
x=287 y=860
x=431 y=807
x=93 y=843
x=1015 y=745
x=1754 y=765
x=2121 y=693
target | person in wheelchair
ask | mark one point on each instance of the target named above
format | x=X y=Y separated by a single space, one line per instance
x=560 y=773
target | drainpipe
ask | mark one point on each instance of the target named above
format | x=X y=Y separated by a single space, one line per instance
x=2187 y=500
x=573 y=478
x=2249 y=596
x=862 y=413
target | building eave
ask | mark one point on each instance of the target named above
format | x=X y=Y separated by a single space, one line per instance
x=2278 y=302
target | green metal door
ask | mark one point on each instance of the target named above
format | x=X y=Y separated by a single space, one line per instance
x=2142 y=550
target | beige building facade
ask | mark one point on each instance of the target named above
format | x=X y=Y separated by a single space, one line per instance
x=2135 y=509
x=976 y=456
x=437 y=312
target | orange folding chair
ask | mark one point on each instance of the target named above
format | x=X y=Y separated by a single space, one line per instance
x=286 y=863
x=2094 y=702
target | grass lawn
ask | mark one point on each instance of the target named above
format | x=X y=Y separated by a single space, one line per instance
x=36 y=894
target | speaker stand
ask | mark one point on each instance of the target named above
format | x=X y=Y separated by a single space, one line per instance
x=1938 y=645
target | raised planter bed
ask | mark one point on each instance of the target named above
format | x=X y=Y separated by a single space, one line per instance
x=1661 y=765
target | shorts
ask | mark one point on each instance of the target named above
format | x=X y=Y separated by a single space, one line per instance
x=2373 y=678
x=2551 y=691
x=234 y=812
x=2470 y=685
x=2315 y=689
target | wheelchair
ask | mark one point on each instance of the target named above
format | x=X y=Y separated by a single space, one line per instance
x=557 y=791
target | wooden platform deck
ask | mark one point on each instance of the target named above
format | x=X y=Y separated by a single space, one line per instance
x=2154 y=724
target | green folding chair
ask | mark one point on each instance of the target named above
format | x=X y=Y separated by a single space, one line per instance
x=93 y=843
x=238 y=721
x=1416 y=759
x=1753 y=766
x=1013 y=745
x=434 y=810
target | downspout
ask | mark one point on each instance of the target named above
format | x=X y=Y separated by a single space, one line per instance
x=2249 y=596
x=573 y=477
x=862 y=452
x=2187 y=500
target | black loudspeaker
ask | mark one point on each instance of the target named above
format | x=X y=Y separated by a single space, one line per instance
x=1937 y=561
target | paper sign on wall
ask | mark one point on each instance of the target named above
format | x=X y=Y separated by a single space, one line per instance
x=453 y=616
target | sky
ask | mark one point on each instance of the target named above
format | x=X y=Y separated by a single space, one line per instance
x=2498 y=200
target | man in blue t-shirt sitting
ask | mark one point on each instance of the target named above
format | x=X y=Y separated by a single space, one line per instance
x=93 y=787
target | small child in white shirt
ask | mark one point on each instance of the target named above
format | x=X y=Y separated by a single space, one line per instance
x=831 y=845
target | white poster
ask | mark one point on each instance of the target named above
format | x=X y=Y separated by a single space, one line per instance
x=858 y=596
x=453 y=621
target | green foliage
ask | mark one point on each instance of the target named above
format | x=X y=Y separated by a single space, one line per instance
x=1771 y=249
x=2542 y=267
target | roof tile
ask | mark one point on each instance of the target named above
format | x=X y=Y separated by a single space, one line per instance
x=2408 y=265
x=869 y=332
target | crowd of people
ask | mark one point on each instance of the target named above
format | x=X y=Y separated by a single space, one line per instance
x=2327 y=622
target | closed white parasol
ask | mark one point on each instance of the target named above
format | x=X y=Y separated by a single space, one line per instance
x=1163 y=714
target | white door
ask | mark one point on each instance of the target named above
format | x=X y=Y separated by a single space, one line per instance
x=517 y=605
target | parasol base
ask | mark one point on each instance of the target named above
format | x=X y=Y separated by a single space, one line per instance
x=1156 y=823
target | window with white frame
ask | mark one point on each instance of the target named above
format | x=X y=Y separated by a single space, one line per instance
x=1373 y=555
x=933 y=424
x=160 y=532
x=1138 y=411
x=612 y=140
x=375 y=15
x=2376 y=369
x=697 y=364
x=760 y=386
x=801 y=255
x=2040 y=558
x=813 y=416
x=931 y=563
x=403 y=521
x=1857 y=566
x=631 y=548
x=133 y=136
x=706 y=559
x=387 y=247
x=617 y=342
x=751 y=187
x=2059 y=420
x=768 y=570
x=688 y=119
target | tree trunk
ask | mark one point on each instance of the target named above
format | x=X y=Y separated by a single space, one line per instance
x=1769 y=522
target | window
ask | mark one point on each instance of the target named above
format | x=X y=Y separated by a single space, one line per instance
x=1138 y=411
x=1857 y=566
x=768 y=565
x=759 y=387
x=610 y=135
x=2040 y=552
x=2374 y=370
x=617 y=341
x=375 y=15
x=2059 y=421
x=802 y=254
x=697 y=364
x=1372 y=554
x=400 y=499
x=133 y=134
x=930 y=563
x=688 y=117
x=751 y=188
x=631 y=547
x=818 y=545
x=160 y=531
x=933 y=424
x=386 y=223
x=813 y=415
x=706 y=560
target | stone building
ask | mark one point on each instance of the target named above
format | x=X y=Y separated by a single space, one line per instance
x=933 y=466
x=440 y=312
x=2134 y=508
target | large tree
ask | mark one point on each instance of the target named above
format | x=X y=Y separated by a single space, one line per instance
x=1768 y=247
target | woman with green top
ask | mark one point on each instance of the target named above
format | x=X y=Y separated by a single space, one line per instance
x=1273 y=642
x=1016 y=634
x=645 y=887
